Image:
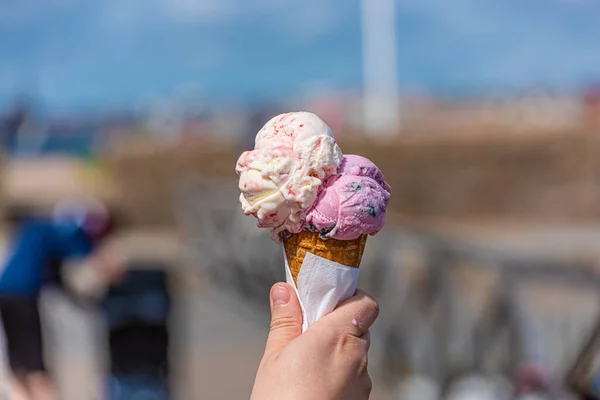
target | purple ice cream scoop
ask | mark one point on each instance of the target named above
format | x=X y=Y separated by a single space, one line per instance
x=360 y=166
x=351 y=203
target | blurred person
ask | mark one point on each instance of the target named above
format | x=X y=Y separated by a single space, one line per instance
x=327 y=361
x=39 y=249
x=137 y=313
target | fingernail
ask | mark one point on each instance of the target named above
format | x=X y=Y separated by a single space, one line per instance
x=280 y=295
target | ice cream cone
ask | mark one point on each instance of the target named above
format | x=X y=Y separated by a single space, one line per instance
x=345 y=252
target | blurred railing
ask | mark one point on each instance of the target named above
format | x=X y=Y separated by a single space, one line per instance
x=448 y=306
x=226 y=244
x=480 y=310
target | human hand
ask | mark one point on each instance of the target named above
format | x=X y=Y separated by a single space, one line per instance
x=109 y=266
x=89 y=278
x=327 y=362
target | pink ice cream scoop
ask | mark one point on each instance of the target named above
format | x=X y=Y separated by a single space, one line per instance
x=351 y=203
x=360 y=166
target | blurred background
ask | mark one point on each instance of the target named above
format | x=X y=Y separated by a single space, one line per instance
x=484 y=117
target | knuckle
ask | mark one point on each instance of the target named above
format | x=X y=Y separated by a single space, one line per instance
x=342 y=340
x=354 y=351
x=373 y=307
x=283 y=322
x=346 y=340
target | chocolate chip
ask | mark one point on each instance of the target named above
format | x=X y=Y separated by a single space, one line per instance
x=325 y=231
x=355 y=186
x=312 y=228
x=371 y=210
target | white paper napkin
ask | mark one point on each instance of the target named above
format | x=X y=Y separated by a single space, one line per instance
x=322 y=285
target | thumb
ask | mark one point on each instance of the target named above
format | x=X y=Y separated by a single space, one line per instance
x=286 y=318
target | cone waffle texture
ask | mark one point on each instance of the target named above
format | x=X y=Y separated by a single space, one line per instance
x=345 y=252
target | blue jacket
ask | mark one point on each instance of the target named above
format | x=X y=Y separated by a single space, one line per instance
x=37 y=253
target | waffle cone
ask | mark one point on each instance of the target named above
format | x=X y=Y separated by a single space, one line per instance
x=345 y=252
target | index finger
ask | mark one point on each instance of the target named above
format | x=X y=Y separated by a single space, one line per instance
x=355 y=315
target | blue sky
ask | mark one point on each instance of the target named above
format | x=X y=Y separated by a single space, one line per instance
x=119 y=53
